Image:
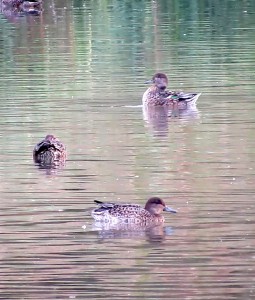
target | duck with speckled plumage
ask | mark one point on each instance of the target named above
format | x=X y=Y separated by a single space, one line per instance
x=158 y=95
x=132 y=213
x=49 y=151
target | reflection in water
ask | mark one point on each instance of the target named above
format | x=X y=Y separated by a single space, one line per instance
x=150 y=232
x=159 y=118
x=186 y=114
x=51 y=167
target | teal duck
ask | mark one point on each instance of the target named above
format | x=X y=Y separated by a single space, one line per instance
x=131 y=213
x=158 y=95
x=49 y=150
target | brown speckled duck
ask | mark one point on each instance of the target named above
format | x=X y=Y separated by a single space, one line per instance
x=25 y=3
x=158 y=95
x=131 y=213
x=49 y=151
x=16 y=8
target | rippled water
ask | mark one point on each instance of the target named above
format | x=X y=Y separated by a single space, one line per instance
x=77 y=70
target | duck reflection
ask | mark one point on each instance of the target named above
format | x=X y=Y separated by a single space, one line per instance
x=50 y=167
x=157 y=118
x=150 y=232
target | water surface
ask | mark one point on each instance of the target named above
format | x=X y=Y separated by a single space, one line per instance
x=77 y=70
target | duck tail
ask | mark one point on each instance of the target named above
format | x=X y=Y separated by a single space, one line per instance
x=98 y=202
x=189 y=97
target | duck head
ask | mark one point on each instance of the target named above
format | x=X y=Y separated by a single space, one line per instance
x=156 y=205
x=159 y=80
x=50 y=138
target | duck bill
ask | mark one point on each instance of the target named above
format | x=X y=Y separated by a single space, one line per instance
x=169 y=209
x=149 y=81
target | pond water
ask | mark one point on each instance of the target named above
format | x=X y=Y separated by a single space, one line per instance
x=77 y=70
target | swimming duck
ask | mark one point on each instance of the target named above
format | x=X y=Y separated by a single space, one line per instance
x=158 y=95
x=22 y=2
x=131 y=213
x=49 y=150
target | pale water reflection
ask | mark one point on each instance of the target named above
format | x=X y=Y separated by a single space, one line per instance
x=77 y=70
x=158 y=119
x=152 y=233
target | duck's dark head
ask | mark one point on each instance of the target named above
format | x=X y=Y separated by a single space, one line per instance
x=160 y=80
x=156 y=205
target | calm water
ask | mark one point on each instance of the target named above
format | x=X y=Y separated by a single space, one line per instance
x=77 y=70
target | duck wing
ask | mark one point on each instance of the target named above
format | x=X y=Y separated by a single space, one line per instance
x=186 y=96
x=116 y=207
x=181 y=96
x=47 y=145
x=104 y=205
x=44 y=146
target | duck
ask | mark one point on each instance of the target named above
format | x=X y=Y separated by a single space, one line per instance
x=22 y=3
x=25 y=2
x=131 y=213
x=49 y=150
x=158 y=95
